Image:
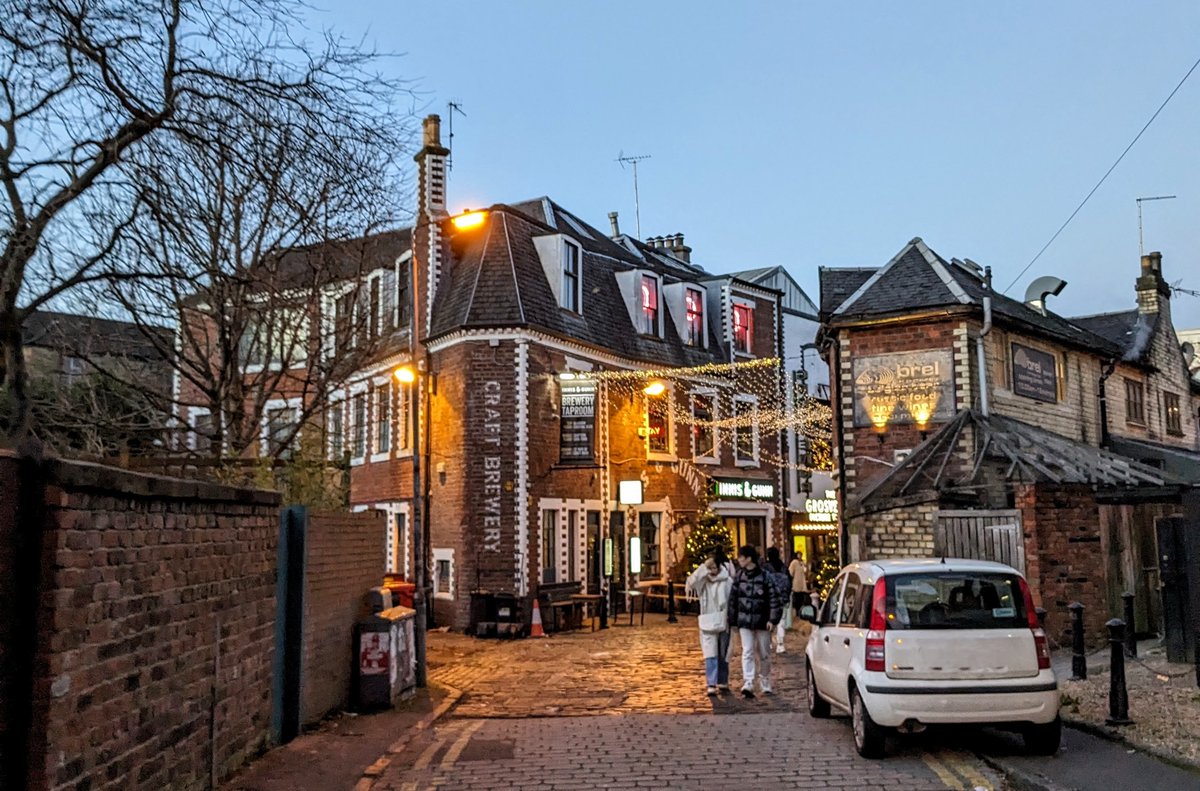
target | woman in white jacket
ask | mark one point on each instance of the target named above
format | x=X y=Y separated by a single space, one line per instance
x=710 y=584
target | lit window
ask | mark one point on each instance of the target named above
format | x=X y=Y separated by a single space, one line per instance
x=658 y=423
x=571 y=277
x=648 y=317
x=694 y=300
x=745 y=432
x=743 y=328
x=1173 y=414
x=383 y=419
x=1135 y=401
x=704 y=435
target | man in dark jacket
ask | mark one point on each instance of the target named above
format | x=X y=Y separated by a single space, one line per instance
x=755 y=606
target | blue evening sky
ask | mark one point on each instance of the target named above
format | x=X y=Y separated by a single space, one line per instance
x=830 y=134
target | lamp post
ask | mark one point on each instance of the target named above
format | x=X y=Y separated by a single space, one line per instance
x=408 y=375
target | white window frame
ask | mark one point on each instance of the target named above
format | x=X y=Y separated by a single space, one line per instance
x=716 y=433
x=358 y=389
x=193 y=413
x=703 y=344
x=749 y=305
x=382 y=382
x=264 y=424
x=337 y=402
x=402 y=404
x=391 y=562
x=659 y=298
x=398 y=267
x=439 y=555
x=668 y=397
x=753 y=400
x=570 y=244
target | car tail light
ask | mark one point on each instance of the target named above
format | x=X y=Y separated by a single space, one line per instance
x=1040 y=644
x=875 y=658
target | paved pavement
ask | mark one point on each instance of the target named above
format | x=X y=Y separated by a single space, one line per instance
x=625 y=708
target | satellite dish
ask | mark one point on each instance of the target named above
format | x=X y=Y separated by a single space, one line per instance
x=1044 y=286
x=1189 y=353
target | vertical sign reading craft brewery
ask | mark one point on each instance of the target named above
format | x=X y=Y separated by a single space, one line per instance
x=577 y=424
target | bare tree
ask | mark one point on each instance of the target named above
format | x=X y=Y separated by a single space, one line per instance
x=87 y=85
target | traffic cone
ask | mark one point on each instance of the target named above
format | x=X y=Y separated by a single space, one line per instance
x=535 y=629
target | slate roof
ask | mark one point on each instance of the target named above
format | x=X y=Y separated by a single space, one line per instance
x=1130 y=330
x=497 y=280
x=81 y=336
x=918 y=279
x=341 y=260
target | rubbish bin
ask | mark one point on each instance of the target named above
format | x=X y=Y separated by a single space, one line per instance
x=386 y=661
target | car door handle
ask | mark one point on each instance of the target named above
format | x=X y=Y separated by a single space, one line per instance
x=846 y=641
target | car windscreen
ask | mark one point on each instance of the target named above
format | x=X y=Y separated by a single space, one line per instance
x=955 y=600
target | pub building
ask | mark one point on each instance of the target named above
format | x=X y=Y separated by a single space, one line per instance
x=968 y=423
x=580 y=398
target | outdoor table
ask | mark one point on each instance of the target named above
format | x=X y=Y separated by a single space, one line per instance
x=634 y=596
x=586 y=599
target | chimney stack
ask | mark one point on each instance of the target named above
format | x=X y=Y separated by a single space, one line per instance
x=1153 y=293
x=616 y=228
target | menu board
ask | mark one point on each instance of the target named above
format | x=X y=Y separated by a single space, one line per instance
x=577 y=424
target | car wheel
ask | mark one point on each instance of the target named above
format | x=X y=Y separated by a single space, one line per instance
x=817 y=706
x=868 y=737
x=1043 y=739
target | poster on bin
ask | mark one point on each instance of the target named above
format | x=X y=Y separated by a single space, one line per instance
x=373 y=653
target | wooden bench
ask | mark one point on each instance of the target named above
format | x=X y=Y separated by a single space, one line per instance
x=555 y=600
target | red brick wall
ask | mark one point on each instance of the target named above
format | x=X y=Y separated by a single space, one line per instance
x=148 y=582
x=344 y=557
x=8 y=604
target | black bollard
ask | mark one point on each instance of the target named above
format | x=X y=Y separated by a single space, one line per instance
x=1041 y=616
x=1078 y=657
x=671 y=603
x=1118 y=695
x=604 y=610
x=1130 y=631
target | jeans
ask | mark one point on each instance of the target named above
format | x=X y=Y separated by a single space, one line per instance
x=756 y=658
x=716 y=668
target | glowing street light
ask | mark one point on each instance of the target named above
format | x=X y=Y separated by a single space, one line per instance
x=406 y=374
x=472 y=219
x=655 y=389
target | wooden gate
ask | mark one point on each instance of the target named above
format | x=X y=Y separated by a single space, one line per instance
x=981 y=535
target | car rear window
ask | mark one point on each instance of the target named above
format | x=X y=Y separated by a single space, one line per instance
x=955 y=600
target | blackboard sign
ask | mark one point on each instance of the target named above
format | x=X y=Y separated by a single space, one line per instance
x=577 y=427
x=1034 y=374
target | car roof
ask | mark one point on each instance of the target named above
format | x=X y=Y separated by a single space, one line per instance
x=917 y=565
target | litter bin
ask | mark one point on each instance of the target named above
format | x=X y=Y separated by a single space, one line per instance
x=386 y=661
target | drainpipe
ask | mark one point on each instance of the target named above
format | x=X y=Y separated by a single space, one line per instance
x=835 y=375
x=1107 y=372
x=979 y=344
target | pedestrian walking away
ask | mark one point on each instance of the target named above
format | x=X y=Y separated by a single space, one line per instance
x=800 y=594
x=710 y=583
x=780 y=578
x=755 y=607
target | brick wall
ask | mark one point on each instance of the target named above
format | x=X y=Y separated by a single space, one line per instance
x=905 y=532
x=150 y=585
x=344 y=557
x=9 y=611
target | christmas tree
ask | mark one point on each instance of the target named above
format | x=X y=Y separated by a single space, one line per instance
x=706 y=537
x=827 y=568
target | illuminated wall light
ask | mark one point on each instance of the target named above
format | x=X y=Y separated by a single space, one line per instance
x=635 y=555
x=406 y=374
x=655 y=389
x=472 y=219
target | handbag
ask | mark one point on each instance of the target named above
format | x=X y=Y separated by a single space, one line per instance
x=713 y=622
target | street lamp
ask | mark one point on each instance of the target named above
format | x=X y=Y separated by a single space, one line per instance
x=655 y=388
x=408 y=374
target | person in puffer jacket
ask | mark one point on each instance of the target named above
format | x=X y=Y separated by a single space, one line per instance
x=755 y=607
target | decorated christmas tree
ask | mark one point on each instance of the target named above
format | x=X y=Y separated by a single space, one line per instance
x=706 y=537
x=827 y=568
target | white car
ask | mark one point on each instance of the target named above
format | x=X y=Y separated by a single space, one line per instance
x=908 y=643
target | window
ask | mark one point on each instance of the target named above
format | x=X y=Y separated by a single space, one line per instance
x=648 y=526
x=343 y=321
x=745 y=431
x=443 y=573
x=358 y=423
x=383 y=419
x=278 y=338
x=374 y=309
x=658 y=424
x=403 y=417
x=648 y=316
x=848 y=611
x=829 y=608
x=704 y=432
x=403 y=306
x=949 y=600
x=694 y=307
x=549 y=545
x=743 y=329
x=572 y=543
x=202 y=430
x=335 y=430
x=572 y=279
x=281 y=431
x=1172 y=413
x=1135 y=401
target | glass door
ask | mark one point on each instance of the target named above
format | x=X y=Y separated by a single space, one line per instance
x=594 y=552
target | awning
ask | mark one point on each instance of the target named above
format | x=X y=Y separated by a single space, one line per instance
x=1177 y=461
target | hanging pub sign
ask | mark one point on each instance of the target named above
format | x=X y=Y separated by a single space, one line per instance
x=742 y=489
x=904 y=388
x=1034 y=374
x=577 y=426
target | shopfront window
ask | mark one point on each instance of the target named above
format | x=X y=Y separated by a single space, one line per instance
x=748 y=530
x=549 y=545
x=649 y=524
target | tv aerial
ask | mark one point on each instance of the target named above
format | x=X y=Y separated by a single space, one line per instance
x=633 y=160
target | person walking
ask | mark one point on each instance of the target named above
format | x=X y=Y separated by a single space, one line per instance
x=800 y=595
x=780 y=579
x=755 y=607
x=710 y=583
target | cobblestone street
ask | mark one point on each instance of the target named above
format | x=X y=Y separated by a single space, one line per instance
x=527 y=719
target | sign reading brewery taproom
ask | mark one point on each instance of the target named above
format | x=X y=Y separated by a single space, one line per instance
x=905 y=387
x=577 y=426
x=1034 y=374
x=743 y=489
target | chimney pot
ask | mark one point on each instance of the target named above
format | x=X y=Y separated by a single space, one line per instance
x=616 y=227
x=1150 y=286
x=432 y=128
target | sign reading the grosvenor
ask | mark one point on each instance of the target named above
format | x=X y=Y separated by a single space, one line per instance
x=742 y=489
x=904 y=388
x=1034 y=374
x=577 y=424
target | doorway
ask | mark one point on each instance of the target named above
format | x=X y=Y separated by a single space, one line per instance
x=745 y=530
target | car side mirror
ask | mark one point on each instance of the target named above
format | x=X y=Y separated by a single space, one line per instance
x=809 y=613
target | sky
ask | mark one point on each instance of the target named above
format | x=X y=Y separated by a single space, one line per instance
x=828 y=134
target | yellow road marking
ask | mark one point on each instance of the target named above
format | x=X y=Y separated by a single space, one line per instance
x=457 y=748
x=961 y=762
x=426 y=757
x=945 y=775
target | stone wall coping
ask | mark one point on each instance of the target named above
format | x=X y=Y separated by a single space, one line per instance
x=73 y=475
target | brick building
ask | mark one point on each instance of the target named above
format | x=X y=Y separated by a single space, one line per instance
x=967 y=422
x=537 y=336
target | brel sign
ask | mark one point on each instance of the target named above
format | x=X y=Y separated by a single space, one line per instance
x=1034 y=374
x=735 y=489
x=904 y=388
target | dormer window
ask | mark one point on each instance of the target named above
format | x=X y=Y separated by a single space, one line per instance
x=572 y=279
x=694 y=304
x=743 y=329
x=648 y=316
